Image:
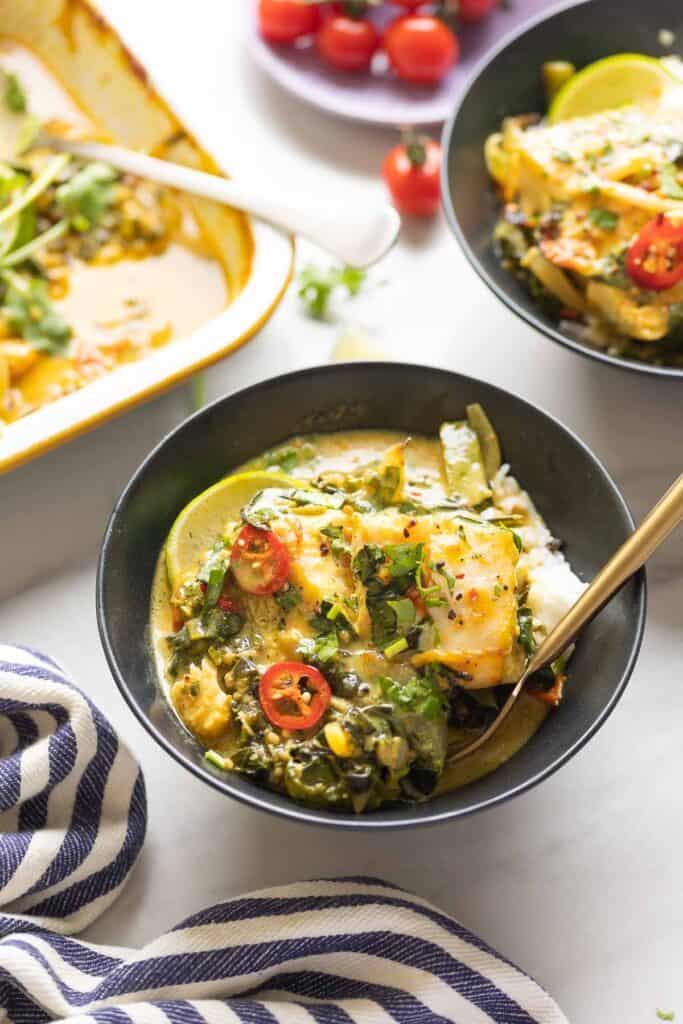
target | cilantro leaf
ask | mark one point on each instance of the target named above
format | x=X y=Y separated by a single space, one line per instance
x=317 y=285
x=87 y=196
x=31 y=314
x=287 y=598
x=604 y=219
x=422 y=696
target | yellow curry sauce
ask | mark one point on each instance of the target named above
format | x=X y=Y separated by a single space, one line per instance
x=140 y=273
x=407 y=680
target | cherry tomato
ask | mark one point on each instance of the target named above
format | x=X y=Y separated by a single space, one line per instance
x=347 y=43
x=655 y=259
x=420 y=48
x=284 y=21
x=412 y=172
x=475 y=10
x=259 y=561
x=411 y=4
x=294 y=695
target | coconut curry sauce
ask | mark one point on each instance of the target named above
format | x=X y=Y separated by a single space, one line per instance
x=334 y=616
x=97 y=268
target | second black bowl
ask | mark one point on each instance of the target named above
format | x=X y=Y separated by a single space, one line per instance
x=509 y=83
x=570 y=487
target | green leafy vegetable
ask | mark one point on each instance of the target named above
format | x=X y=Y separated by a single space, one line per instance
x=525 y=622
x=319 y=651
x=338 y=546
x=213 y=574
x=403 y=559
x=602 y=218
x=31 y=314
x=87 y=196
x=367 y=562
x=317 y=285
x=14 y=96
x=288 y=598
x=420 y=695
x=669 y=183
x=325 y=499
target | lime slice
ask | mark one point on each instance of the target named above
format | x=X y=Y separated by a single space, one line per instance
x=609 y=83
x=200 y=522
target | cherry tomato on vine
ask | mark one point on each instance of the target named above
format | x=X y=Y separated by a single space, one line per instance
x=475 y=10
x=294 y=695
x=284 y=21
x=420 y=48
x=412 y=172
x=655 y=259
x=259 y=561
x=347 y=43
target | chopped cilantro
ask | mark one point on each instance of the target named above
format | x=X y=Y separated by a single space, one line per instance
x=213 y=574
x=525 y=623
x=420 y=696
x=335 y=535
x=288 y=598
x=86 y=197
x=604 y=219
x=403 y=559
x=30 y=313
x=320 y=650
x=316 y=286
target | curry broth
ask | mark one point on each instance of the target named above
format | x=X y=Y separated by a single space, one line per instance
x=119 y=305
x=346 y=453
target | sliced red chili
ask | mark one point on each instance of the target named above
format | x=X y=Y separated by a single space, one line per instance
x=294 y=695
x=655 y=259
x=226 y=605
x=259 y=561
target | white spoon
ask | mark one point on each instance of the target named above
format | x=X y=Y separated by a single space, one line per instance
x=355 y=233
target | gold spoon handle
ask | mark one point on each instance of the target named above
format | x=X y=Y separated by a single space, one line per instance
x=631 y=556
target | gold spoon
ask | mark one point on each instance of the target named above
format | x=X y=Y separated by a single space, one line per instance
x=630 y=557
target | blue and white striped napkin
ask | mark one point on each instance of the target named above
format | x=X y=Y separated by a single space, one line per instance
x=72 y=822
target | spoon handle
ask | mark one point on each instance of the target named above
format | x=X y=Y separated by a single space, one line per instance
x=356 y=233
x=631 y=556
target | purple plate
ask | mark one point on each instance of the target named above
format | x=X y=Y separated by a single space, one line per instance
x=379 y=97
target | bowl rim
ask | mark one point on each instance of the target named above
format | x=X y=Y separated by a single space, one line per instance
x=447 y=145
x=262 y=799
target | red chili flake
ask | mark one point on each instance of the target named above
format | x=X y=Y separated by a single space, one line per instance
x=473 y=594
x=460 y=575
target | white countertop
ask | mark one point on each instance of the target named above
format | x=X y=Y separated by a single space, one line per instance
x=579 y=881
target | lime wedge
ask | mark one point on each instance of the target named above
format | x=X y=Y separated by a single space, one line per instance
x=201 y=522
x=612 y=82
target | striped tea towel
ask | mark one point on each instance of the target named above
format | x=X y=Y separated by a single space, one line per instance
x=72 y=822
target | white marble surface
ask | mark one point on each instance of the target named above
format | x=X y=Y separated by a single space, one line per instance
x=580 y=881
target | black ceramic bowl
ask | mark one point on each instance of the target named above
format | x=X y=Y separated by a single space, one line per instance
x=571 y=488
x=508 y=82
